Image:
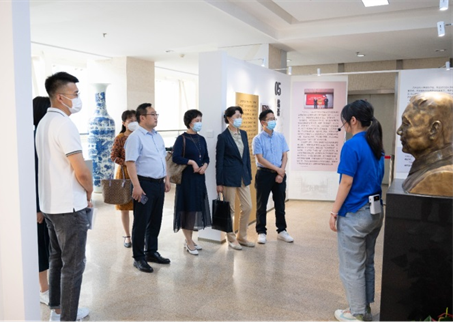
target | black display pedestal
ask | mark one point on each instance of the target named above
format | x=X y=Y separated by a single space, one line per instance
x=417 y=263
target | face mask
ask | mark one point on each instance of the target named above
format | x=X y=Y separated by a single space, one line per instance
x=271 y=125
x=237 y=122
x=132 y=126
x=197 y=126
x=76 y=105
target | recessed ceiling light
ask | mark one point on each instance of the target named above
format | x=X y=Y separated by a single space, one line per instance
x=375 y=3
x=443 y=5
x=288 y=60
x=169 y=51
x=360 y=55
x=440 y=50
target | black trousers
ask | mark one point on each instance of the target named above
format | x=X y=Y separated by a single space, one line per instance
x=264 y=184
x=147 y=219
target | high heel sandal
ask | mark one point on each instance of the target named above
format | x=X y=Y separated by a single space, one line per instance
x=190 y=251
x=129 y=244
x=197 y=247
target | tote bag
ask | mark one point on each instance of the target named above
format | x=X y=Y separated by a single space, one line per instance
x=175 y=170
x=221 y=217
x=117 y=191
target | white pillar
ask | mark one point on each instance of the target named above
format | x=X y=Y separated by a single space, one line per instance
x=213 y=98
x=19 y=299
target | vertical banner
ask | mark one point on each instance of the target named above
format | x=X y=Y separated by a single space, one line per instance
x=315 y=141
x=249 y=104
x=410 y=83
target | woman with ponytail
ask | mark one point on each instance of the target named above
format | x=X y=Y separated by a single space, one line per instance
x=361 y=171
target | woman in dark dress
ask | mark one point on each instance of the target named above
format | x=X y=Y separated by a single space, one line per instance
x=40 y=106
x=191 y=200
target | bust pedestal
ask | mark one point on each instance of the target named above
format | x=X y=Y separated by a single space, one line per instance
x=417 y=263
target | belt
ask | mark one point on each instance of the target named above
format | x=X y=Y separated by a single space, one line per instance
x=266 y=169
x=150 y=179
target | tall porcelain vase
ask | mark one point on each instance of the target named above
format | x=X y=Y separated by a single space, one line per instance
x=101 y=133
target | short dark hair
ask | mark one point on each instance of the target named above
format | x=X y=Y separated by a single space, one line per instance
x=230 y=111
x=141 y=110
x=264 y=113
x=126 y=114
x=40 y=106
x=56 y=81
x=190 y=115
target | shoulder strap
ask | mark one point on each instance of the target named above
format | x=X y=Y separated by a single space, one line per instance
x=184 y=146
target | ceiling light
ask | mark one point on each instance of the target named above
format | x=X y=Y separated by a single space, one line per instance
x=447 y=65
x=443 y=5
x=360 y=55
x=318 y=71
x=288 y=60
x=375 y=3
x=440 y=50
x=289 y=70
x=441 y=28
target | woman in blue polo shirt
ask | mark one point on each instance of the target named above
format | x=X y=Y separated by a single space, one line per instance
x=361 y=171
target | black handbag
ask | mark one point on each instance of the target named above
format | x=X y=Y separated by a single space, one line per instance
x=221 y=216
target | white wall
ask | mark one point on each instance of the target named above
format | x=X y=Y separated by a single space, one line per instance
x=220 y=77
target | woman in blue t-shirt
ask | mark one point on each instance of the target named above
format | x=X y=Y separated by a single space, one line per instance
x=361 y=171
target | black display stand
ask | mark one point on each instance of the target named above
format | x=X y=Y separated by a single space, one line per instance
x=417 y=264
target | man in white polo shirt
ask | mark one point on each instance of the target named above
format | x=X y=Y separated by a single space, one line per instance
x=64 y=186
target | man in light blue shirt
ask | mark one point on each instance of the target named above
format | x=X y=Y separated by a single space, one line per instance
x=270 y=150
x=145 y=161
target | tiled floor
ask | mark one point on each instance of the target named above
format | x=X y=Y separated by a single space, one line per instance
x=276 y=281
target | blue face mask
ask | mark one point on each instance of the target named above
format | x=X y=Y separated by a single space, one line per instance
x=271 y=125
x=196 y=127
x=237 y=122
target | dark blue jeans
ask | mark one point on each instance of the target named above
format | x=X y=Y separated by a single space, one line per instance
x=264 y=184
x=68 y=237
x=147 y=219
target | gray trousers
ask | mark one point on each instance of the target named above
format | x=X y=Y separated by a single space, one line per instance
x=68 y=237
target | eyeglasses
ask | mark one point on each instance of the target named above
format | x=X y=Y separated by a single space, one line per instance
x=73 y=94
x=271 y=119
x=152 y=114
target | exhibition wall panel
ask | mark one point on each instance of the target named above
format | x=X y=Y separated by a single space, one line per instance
x=410 y=83
x=315 y=141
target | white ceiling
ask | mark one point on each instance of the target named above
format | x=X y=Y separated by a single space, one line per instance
x=314 y=32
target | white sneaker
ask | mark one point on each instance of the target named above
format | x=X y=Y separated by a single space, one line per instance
x=82 y=312
x=262 y=239
x=44 y=297
x=283 y=235
x=345 y=315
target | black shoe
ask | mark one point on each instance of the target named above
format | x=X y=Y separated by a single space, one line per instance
x=156 y=258
x=143 y=266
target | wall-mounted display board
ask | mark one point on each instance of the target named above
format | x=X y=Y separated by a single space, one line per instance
x=410 y=83
x=315 y=142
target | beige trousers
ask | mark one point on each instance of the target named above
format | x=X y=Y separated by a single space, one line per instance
x=245 y=200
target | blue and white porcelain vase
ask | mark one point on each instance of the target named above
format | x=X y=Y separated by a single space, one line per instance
x=101 y=133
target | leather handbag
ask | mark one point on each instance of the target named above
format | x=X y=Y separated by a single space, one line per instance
x=221 y=216
x=175 y=170
x=117 y=191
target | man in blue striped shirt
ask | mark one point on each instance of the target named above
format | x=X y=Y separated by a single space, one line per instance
x=270 y=150
x=145 y=161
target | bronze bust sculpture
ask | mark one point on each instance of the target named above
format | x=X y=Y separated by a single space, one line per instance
x=426 y=132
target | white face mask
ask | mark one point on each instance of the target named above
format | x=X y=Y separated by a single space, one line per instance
x=132 y=126
x=76 y=105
